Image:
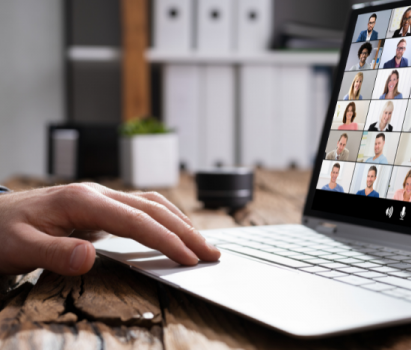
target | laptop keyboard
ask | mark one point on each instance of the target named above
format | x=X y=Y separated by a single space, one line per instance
x=376 y=268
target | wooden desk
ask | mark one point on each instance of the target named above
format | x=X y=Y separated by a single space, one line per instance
x=112 y=307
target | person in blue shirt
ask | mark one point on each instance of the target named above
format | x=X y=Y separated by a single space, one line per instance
x=333 y=186
x=398 y=60
x=379 y=158
x=369 y=33
x=391 y=87
x=369 y=190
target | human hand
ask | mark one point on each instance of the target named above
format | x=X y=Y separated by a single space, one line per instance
x=35 y=226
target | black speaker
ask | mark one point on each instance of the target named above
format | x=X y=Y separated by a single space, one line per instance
x=225 y=187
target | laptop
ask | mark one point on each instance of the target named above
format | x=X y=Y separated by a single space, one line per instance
x=347 y=267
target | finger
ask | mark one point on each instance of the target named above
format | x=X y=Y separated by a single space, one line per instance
x=152 y=196
x=88 y=209
x=30 y=249
x=167 y=218
x=157 y=197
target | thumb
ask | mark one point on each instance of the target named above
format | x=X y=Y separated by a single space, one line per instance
x=63 y=255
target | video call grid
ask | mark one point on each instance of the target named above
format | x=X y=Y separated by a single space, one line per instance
x=392 y=166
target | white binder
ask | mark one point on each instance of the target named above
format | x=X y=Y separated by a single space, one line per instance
x=215 y=31
x=259 y=116
x=255 y=25
x=173 y=25
x=217 y=117
x=297 y=115
x=182 y=97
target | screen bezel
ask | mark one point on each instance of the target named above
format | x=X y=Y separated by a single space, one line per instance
x=308 y=212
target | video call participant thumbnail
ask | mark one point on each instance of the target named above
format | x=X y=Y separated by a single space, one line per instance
x=355 y=88
x=369 y=189
x=398 y=60
x=333 y=186
x=404 y=193
x=369 y=33
x=385 y=118
x=379 y=157
x=391 y=87
x=363 y=52
x=340 y=153
x=404 y=29
x=348 y=118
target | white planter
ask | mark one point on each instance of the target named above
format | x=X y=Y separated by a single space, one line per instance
x=150 y=160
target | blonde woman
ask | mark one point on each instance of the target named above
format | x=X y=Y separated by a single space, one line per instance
x=348 y=119
x=391 y=87
x=354 y=92
x=404 y=193
x=385 y=117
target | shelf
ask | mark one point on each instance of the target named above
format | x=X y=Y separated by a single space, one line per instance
x=94 y=54
x=292 y=57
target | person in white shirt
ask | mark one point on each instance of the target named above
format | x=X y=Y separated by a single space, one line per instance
x=385 y=117
x=363 y=53
x=405 y=28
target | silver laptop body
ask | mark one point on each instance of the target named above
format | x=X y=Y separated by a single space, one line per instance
x=340 y=271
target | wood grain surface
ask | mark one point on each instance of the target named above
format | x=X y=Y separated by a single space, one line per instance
x=113 y=307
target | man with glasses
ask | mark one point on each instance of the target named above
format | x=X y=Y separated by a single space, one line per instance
x=398 y=60
x=369 y=33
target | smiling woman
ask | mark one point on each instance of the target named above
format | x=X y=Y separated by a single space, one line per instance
x=391 y=87
x=383 y=123
x=404 y=29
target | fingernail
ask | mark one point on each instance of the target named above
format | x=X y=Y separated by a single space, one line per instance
x=78 y=257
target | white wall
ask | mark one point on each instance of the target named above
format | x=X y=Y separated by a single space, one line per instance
x=407 y=121
x=31 y=84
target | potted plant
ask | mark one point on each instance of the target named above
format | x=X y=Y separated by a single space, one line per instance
x=148 y=154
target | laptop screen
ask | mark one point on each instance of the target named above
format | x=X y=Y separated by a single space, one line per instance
x=364 y=165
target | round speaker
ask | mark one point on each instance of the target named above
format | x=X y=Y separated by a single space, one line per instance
x=225 y=187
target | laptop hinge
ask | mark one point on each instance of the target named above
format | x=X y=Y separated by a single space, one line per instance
x=327 y=228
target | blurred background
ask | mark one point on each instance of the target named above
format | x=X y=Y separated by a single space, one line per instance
x=85 y=65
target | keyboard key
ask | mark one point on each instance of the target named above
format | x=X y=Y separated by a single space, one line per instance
x=364 y=257
x=403 y=274
x=316 y=252
x=384 y=269
x=400 y=266
x=333 y=257
x=314 y=269
x=355 y=280
x=350 y=253
x=351 y=269
x=365 y=265
x=299 y=256
x=274 y=250
x=317 y=261
x=382 y=254
x=254 y=245
x=301 y=249
x=378 y=287
x=395 y=281
x=333 y=265
x=383 y=261
x=399 y=257
x=331 y=274
x=336 y=250
x=366 y=250
x=265 y=256
x=350 y=261
x=370 y=274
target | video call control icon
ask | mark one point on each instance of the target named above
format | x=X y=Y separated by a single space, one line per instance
x=389 y=211
x=402 y=214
